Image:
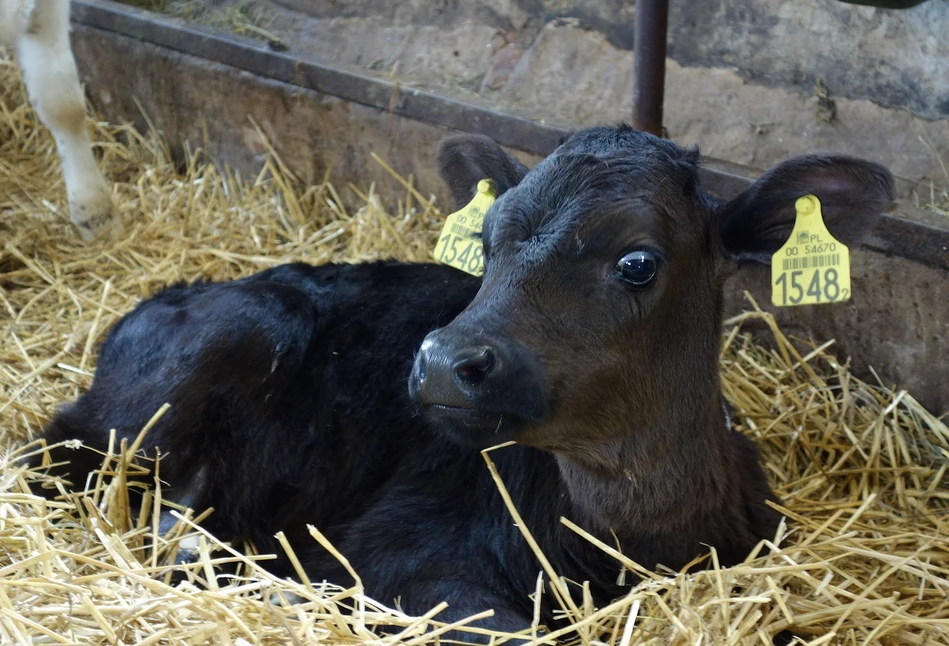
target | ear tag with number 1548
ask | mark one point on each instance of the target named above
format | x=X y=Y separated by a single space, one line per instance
x=459 y=244
x=812 y=266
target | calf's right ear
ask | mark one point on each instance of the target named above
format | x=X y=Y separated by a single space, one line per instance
x=464 y=160
x=853 y=192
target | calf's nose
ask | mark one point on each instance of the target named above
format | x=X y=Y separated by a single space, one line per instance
x=449 y=374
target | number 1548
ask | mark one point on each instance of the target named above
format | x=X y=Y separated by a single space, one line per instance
x=816 y=287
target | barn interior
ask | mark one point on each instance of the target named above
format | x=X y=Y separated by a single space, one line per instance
x=860 y=458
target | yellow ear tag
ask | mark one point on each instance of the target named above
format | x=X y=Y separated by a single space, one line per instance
x=460 y=242
x=812 y=267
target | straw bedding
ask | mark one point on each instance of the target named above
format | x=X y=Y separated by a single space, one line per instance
x=861 y=469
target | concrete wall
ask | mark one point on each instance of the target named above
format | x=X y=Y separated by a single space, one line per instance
x=740 y=79
x=894 y=58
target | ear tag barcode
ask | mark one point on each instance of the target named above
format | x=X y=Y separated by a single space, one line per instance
x=812 y=267
x=459 y=244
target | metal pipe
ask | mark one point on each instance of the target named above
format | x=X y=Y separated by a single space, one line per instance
x=649 y=64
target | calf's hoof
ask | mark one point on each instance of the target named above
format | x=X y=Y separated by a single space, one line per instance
x=95 y=216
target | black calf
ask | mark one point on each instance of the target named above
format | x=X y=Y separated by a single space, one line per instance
x=348 y=397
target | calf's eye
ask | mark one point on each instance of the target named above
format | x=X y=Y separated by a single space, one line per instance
x=638 y=268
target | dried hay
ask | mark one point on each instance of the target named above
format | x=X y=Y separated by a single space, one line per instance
x=862 y=469
x=932 y=195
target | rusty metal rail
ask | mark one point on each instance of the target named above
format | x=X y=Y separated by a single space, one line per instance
x=918 y=241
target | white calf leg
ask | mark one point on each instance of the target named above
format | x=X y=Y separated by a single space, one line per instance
x=52 y=82
x=14 y=19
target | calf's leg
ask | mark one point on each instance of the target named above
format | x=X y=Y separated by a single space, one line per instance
x=14 y=18
x=52 y=82
x=465 y=598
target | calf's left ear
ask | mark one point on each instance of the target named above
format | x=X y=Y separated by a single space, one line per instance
x=853 y=193
x=465 y=160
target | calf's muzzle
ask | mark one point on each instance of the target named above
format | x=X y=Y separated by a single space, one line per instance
x=480 y=380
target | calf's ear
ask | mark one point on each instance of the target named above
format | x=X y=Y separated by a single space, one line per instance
x=464 y=160
x=853 y=193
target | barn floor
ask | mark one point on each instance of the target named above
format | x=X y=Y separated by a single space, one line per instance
x=862 y=470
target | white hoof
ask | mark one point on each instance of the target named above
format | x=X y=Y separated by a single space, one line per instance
x=94 y=215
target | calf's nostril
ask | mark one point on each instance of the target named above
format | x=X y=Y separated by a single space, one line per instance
x=473 y=366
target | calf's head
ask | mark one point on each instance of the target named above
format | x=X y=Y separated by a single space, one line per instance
x=599 y=315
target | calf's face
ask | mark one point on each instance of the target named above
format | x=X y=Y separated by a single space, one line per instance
x=600 y=310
